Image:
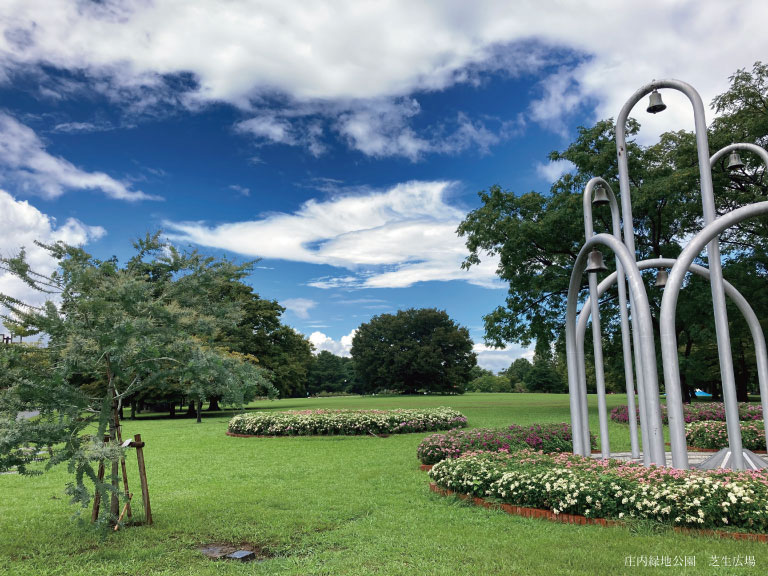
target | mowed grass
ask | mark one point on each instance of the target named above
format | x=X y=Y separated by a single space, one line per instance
x=333 y=505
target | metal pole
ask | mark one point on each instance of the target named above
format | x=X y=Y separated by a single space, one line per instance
x=652 y=421
x=597 y=339
x=669 y=338
x=644 y=323
x=713 y=250
x=762 y=362
x=626 y=339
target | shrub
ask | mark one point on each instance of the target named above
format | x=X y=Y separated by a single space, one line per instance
x=545 y=437
x=490 y=383
x=697 y=412
x=714 y=434
x=570 y=484
x=346 y=422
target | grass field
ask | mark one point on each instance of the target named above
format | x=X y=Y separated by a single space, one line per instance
x=334 y=506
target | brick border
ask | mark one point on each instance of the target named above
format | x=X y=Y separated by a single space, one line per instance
x=577 y=519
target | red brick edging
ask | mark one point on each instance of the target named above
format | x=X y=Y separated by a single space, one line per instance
x=577 y=519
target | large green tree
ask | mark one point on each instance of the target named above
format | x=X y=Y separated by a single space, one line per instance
x=538 y=235
x=413 y=350
x=111 y=331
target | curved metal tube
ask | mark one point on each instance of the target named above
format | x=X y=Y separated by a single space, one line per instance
x=755 y=329
x=597 y=342
x=645 y=341
x=740 y=146
x=669 y=338
x=713 y=248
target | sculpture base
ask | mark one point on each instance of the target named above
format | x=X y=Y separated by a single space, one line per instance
x=723 y=460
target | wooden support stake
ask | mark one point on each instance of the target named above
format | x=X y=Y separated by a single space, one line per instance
x=143 y=477
x=97 y=496
x=126 y=508
x=122 y=465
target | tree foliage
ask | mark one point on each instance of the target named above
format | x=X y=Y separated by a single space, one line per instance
x=413 y=350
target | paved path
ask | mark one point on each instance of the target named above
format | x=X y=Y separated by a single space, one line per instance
x=693 y=457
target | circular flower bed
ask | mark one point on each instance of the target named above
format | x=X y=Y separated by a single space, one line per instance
x=697 y=412
x=345 y=422
x=714 y=435
x=545 y=437
x=570 y=484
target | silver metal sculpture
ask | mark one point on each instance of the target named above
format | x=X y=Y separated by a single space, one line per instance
x=646 y=376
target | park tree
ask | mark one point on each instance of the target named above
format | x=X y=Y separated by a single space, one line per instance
x=517 y=373
x=112 y=331
x=413 y=350
x=329 y=373
x=537 y=236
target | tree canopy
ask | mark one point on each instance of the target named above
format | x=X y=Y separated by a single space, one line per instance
x=411 y=351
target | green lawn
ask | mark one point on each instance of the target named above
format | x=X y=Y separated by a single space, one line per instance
x=335 y=505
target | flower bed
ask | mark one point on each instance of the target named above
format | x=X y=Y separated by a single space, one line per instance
x=345 y=422
x=714 y=435
x=697 y=412
x=564 y=483
x=545 y=437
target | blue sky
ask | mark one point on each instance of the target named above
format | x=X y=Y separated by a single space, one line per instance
x=339 y=142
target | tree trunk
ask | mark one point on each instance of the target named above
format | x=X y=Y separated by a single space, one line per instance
x=199 y=411
x=133 y=409
x=742 y=375
x=173 y=409
x=213 y=405
x=114 y=503
x=191 y=411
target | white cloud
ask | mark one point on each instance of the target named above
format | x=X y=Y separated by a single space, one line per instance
x=497 y=359
x=82 y=127
x=299 y=306
x=242 y=190
x=24 y=160
x=246 y=53
x=341 y=347
x=395 y=238
x=554 y=169
x=22 y=224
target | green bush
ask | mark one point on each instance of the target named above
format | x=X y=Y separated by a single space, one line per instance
x=713 y=434
x=346 y=422
x=452 y=444
x=490 y=383
x=570 y=484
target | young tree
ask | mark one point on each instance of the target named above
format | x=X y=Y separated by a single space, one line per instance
x=112 y=331
x=413 y=350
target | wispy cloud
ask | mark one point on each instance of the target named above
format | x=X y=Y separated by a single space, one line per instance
x=497 y=359
x=384 y=239
x=25 y=162
x=299 y=306
x=22 y=225
x=82 y=127
x=242 y=190
x=553 y=170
